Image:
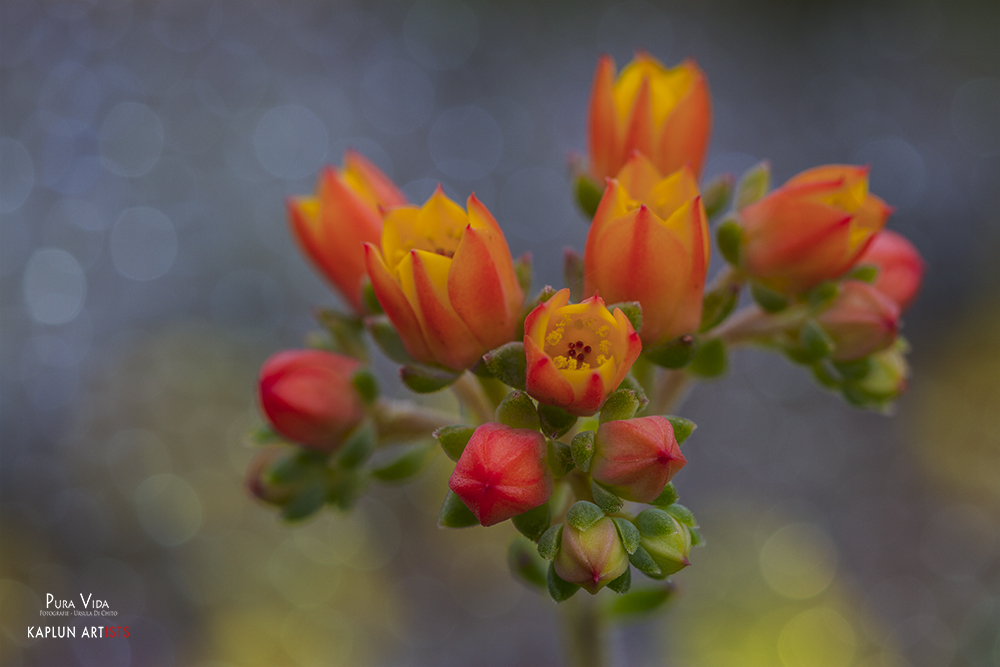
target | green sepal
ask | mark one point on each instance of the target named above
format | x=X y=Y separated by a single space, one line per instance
x=345 y=489
x=588 y=195
x=643 y=562
x=696 y=539
x=815 y=341
x=525 y=564
x=533 y=523
x=559 y=457
x=674 y=354
x=641 y=601
x=606 y=500
x=864 y=272
x=297 y=465
x=454 y=438
x=366 y=384
x=632 y=310
x=767 y=298
x=573 y=274
x=548 y=543
x=682 y=514
x=718 y=305
x=556 y=422
x=518 y=411
x=822 y=295
x=620 y=405
x=622 y=583
x=346 y=332
x=426 y=379
x=369 y=299
x=583 y=514
x=306 y=502
x=853 y=370
x=710 y=360
x=753 y=184
x=682 y=428
x=523 y=270
x=729 y=240
x=668 y=497
x=404 y=463
x=387 y=339
x=717 y=194
x=655 y=522
x=265 y=435
x=559 y=589
x=632 y=384
x=508 y=364
x=823 y=374
x=628 y=533
x=582 y=448
x=455 y=514
x=358 y=446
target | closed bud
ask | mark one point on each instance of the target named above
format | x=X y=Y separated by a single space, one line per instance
x=309 y=397
x=900 y=267
x=593 y=557
x=261 y=483
x=636 y=458
x=502 y=473
x=860 y=320
x=665 y=539
x=887 y=378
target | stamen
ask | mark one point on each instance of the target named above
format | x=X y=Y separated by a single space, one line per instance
x=586 y=349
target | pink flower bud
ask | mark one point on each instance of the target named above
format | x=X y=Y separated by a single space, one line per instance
x=900 y=267
x=308 y=397
x=502 y=473
x=861 y=320
x=591 y=558
x=635 y=458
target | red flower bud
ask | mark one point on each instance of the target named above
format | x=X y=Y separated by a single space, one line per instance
x=900 y=267
x=308 y=397
x=636 y=458
x=502 y=473
x=591 y=558
x=861 y=320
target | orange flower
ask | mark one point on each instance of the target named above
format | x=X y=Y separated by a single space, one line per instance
x=664 y=113
x=344 y=213
x=446 y=280
x=649 y=243
x=900 y=266
x=811 y=229
x=577 y=354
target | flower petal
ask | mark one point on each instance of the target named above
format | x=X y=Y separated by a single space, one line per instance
x=684 y=140
x=476 y=292
x=601 y=119
x=396 y=306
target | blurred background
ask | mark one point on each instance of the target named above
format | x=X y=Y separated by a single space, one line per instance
x=146 y=271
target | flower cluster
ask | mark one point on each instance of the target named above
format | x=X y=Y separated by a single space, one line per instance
x=562 y=395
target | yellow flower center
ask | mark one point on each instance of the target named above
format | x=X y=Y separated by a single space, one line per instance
x=576 y=341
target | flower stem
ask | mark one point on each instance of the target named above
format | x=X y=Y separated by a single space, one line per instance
x=753 y=323
x=405 y=420
x=471 y=395
x=585 y=633
x=671 y=388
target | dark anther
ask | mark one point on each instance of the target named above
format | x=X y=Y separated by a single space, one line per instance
x=587 y=349
x=579 y=343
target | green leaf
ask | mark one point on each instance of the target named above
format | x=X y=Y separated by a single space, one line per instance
x=655 y=523
x=864 y=272
x=606 y=500
x=582 y=515
x=628 y=533
x=548 y=543
x=306 y=501
x=345 y=489
x=508 y=364
x=588 y=195
x=404 y=463
x=346 y=332
x=533 y=523
x=518 y=411
x=556 y=422
x=821 y=296
x=643 y=562
x=454 y=438
x=682 y=514
x=387 y=339
x=768 y=299
x=815 y=341
x=674 y=354
x=632 y=384
x=622 y=583
x=358 y=446
x=526 y=565
x=641 y=601
x=632 y=310
x=620 y=405
x=559 y=458
x=696 y=538
x=366 y=384
x=455 y=514
x=753 y=185
x=729 y=240
x=682 y=428
x=582 y=448
x=718 y=305
x=717 y=194
x=559 y=589
x=523 y=271
x=368 y=297
x=825 y=376
x=853 y=370
x=573 y=274
x=667 y=497
x=425 y=379
x=265 y=435
x=710 y=361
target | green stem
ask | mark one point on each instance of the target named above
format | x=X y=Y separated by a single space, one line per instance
x=405 y=420
x=754 y=323
x=585 y=632
x=471 y=395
